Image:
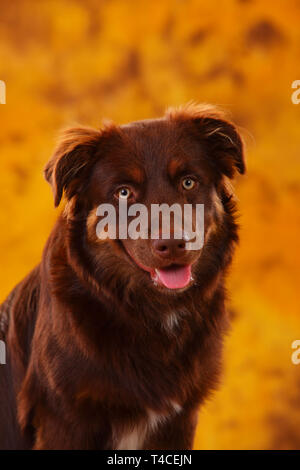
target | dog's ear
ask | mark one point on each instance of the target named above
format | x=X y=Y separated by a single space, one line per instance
x=224 y=145
x=220 y=138
x=66 y=171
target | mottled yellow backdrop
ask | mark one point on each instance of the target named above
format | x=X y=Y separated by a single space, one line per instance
x=67 y=62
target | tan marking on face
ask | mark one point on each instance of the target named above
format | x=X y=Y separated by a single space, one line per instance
x=217 y=217
x=229 y=189
x=218 y=206
x=174 y=166
x=68 y=209
x=211 y=230
x=136 y=174
x=91 y=224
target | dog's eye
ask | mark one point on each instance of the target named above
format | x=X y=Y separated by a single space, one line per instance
x=188 y=183
x=124 y=193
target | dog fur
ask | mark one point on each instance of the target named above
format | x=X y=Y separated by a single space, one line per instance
x=98 y=356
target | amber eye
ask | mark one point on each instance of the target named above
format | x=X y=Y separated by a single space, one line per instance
x=124 y=193
x=188 y=183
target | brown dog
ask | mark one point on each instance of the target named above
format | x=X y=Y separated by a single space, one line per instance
x=114 y=344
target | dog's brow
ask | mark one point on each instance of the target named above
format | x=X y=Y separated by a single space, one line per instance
x=135 y=174
x=175 y=166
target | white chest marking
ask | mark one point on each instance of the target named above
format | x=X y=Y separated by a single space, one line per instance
x=172 y=321
x=135 y=437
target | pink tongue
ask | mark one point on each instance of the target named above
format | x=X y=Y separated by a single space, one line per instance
x=175 y=277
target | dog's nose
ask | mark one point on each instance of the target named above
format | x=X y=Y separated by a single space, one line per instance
x=169 y=248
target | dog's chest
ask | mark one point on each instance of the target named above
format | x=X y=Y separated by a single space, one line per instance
x=169 y=376
x=137 y=434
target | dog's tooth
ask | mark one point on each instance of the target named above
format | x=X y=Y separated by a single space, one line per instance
x=156 y=277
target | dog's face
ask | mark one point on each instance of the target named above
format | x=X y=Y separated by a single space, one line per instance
x=185 y=158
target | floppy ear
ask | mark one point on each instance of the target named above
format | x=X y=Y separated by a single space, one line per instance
x=223 y=144
x=220 y=138
x=74 y=155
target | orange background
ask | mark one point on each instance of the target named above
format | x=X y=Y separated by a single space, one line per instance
x=79 y=61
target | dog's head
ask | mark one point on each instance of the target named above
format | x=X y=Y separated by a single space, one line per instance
x=187 y=157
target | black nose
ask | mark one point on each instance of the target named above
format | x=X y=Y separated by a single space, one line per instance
x=169 y=248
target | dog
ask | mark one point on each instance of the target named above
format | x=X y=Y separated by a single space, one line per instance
x=116 y=343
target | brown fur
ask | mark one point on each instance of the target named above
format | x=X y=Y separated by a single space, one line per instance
x=98 y=356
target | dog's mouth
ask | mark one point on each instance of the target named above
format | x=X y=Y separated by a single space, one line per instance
x=173 y=276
